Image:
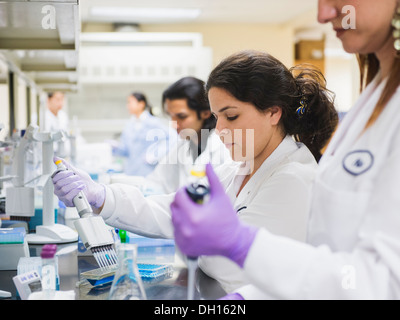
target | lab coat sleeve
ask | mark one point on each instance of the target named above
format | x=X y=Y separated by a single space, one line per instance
x=125 y=207
x=289 y=269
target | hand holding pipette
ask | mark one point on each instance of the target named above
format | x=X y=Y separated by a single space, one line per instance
x=213 y=228
x=70 y=187
x=198 y=192
x=80 y=201
x=69 y=181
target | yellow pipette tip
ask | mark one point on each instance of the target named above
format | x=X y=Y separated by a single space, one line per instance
x=58 y=161
x=199 y=174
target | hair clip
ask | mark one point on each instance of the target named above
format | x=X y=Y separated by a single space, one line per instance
x=300 y=110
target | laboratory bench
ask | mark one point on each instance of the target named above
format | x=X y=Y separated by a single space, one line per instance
x=71 y=265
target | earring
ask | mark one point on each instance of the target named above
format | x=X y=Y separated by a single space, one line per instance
x=396 y=31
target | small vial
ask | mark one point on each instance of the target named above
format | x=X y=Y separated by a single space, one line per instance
x=49 y=271
x=122 y=236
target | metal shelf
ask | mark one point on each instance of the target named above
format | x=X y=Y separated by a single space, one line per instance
x=40 y=41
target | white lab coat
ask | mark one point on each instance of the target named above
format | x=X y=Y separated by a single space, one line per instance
x=276 y=197
x=173 y=171
x=354 y=230
x=53 y=123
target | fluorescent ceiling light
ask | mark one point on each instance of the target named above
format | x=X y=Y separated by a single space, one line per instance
x=131 y=14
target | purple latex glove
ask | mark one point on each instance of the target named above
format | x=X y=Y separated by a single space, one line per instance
x=68 y=183
x=212 y=228
x=232 y=296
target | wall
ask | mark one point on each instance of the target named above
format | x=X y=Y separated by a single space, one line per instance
x=225 y=39
x=21 y=112
x=342 y=75
x=100 y=110
x=4 y=110
x=107 y=103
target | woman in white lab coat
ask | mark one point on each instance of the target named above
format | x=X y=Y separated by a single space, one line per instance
x=259 y=105
x=186 y=103
x=56 y=118
x=353 y=249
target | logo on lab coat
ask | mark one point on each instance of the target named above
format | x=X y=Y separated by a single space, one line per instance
x=358 y=162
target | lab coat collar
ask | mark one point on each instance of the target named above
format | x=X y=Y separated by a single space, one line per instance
x=143 y=116
x=286 y=146
x=284 y=150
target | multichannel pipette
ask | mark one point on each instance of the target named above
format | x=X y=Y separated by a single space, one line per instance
x=92 y=229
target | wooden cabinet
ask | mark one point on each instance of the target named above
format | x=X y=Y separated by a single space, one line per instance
x=311 y=51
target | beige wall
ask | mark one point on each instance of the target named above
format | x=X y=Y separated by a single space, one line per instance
x=343 y=78
x=21 y=110
x=278 y=40
x=4 y=110
x=225 y=39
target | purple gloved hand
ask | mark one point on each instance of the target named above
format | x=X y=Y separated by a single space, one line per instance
x=68 y=183
x=212 y=228
x=232 y=296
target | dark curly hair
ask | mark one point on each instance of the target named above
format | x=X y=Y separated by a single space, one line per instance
x=308 y=112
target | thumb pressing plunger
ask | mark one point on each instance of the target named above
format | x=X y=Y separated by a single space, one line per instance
x=80 y=201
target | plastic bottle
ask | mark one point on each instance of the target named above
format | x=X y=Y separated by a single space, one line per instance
x=49 y=271
x=127 y=283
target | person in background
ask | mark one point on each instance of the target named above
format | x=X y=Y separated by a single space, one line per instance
x=353 y=245
x=144 y=140
x=186 y=104
x=269 y=119
x=56 y=118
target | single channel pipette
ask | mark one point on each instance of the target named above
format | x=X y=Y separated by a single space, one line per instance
x=197 y=192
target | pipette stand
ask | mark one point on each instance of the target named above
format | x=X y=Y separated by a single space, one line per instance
x=19 y=197
x=49 y=231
